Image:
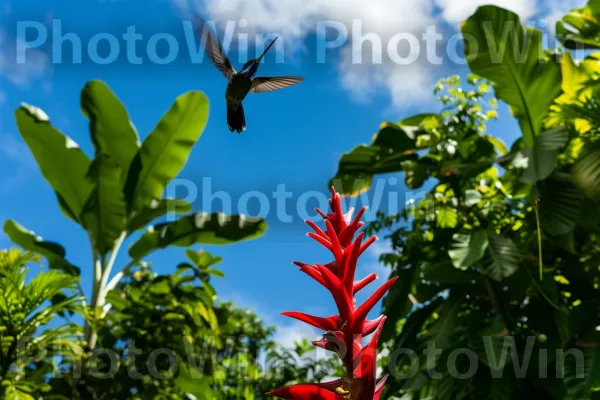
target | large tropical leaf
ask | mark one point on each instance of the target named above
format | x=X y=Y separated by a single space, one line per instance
x=586 y=171
x=580 y=28
x=502 y=259
x=467 y=249
x=560 y=204
x=576 y=87
x=104 y=214
x=582 y=380
x=54 y=252
x=195 y=384
x=60 y=159
x=501 y=50
x=414 y=324
x=542 y=157
x=392 y=145
x=166 y=150
x=110 y=127
x=216 y=228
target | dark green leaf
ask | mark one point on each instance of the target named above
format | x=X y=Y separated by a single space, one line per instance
x=54 y=253
x=467 y=249
x=503 y=257
x=586 y=171
x=541 y=159
x=560 y=205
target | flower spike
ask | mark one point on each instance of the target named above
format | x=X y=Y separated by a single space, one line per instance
x=344 y=332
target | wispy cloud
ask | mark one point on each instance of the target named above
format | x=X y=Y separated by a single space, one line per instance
x=36 y=65
x=380 y=247
x=286 y=333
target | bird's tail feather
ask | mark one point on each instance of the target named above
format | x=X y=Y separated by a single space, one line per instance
x=236 y=119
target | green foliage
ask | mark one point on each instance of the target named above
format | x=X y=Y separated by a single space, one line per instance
x=112 y=196
x=580 y=28
x=500 y=49
x=467 y=254
x=26 y=309
x=120 y=191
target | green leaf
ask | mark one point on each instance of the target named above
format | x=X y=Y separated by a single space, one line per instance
x=166 y=150
x=502 y=50
x=560 y=205
x=391 y=146
x=104 y=214
x=467 y=249
x=216 y=228
x=443 y=330
x=447 y=274
x=54 y=252
x=415 y=175
x=502 y=258
x=498 y=144
x=414 y=324
x=194 y=383
x=111 y=129
x=580 y=28
x=60 y=159
x=581 y=380
x=586 y=171
x=541 y=159
x=472 y=197
x=202 y=259
x=447 y=218
x=157 y=209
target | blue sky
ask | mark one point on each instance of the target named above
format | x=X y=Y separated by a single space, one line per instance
x=294 y=137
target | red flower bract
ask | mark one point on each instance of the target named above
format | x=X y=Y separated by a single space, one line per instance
x=345 y=331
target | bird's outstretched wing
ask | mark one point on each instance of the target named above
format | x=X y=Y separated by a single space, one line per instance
x=214 y=51
x=260 y=85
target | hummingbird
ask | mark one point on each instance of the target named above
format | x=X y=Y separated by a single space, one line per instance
x=243 y=82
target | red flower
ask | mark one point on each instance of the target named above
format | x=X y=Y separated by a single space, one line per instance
x=345 y=331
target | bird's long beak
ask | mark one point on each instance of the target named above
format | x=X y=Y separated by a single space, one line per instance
x=258 y=60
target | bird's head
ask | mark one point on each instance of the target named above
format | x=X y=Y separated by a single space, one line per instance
x=251 y=66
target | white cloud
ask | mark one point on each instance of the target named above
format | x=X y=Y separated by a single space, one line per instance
x=36 y=65
x=287 y=332
x=295 y=19
x=295 y=331
x=380 y=247
x=456 y=11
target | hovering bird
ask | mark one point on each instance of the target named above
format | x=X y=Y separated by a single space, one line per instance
x=243 y=82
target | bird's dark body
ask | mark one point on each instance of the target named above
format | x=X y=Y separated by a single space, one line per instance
x=243 y=82
x=237 y=90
